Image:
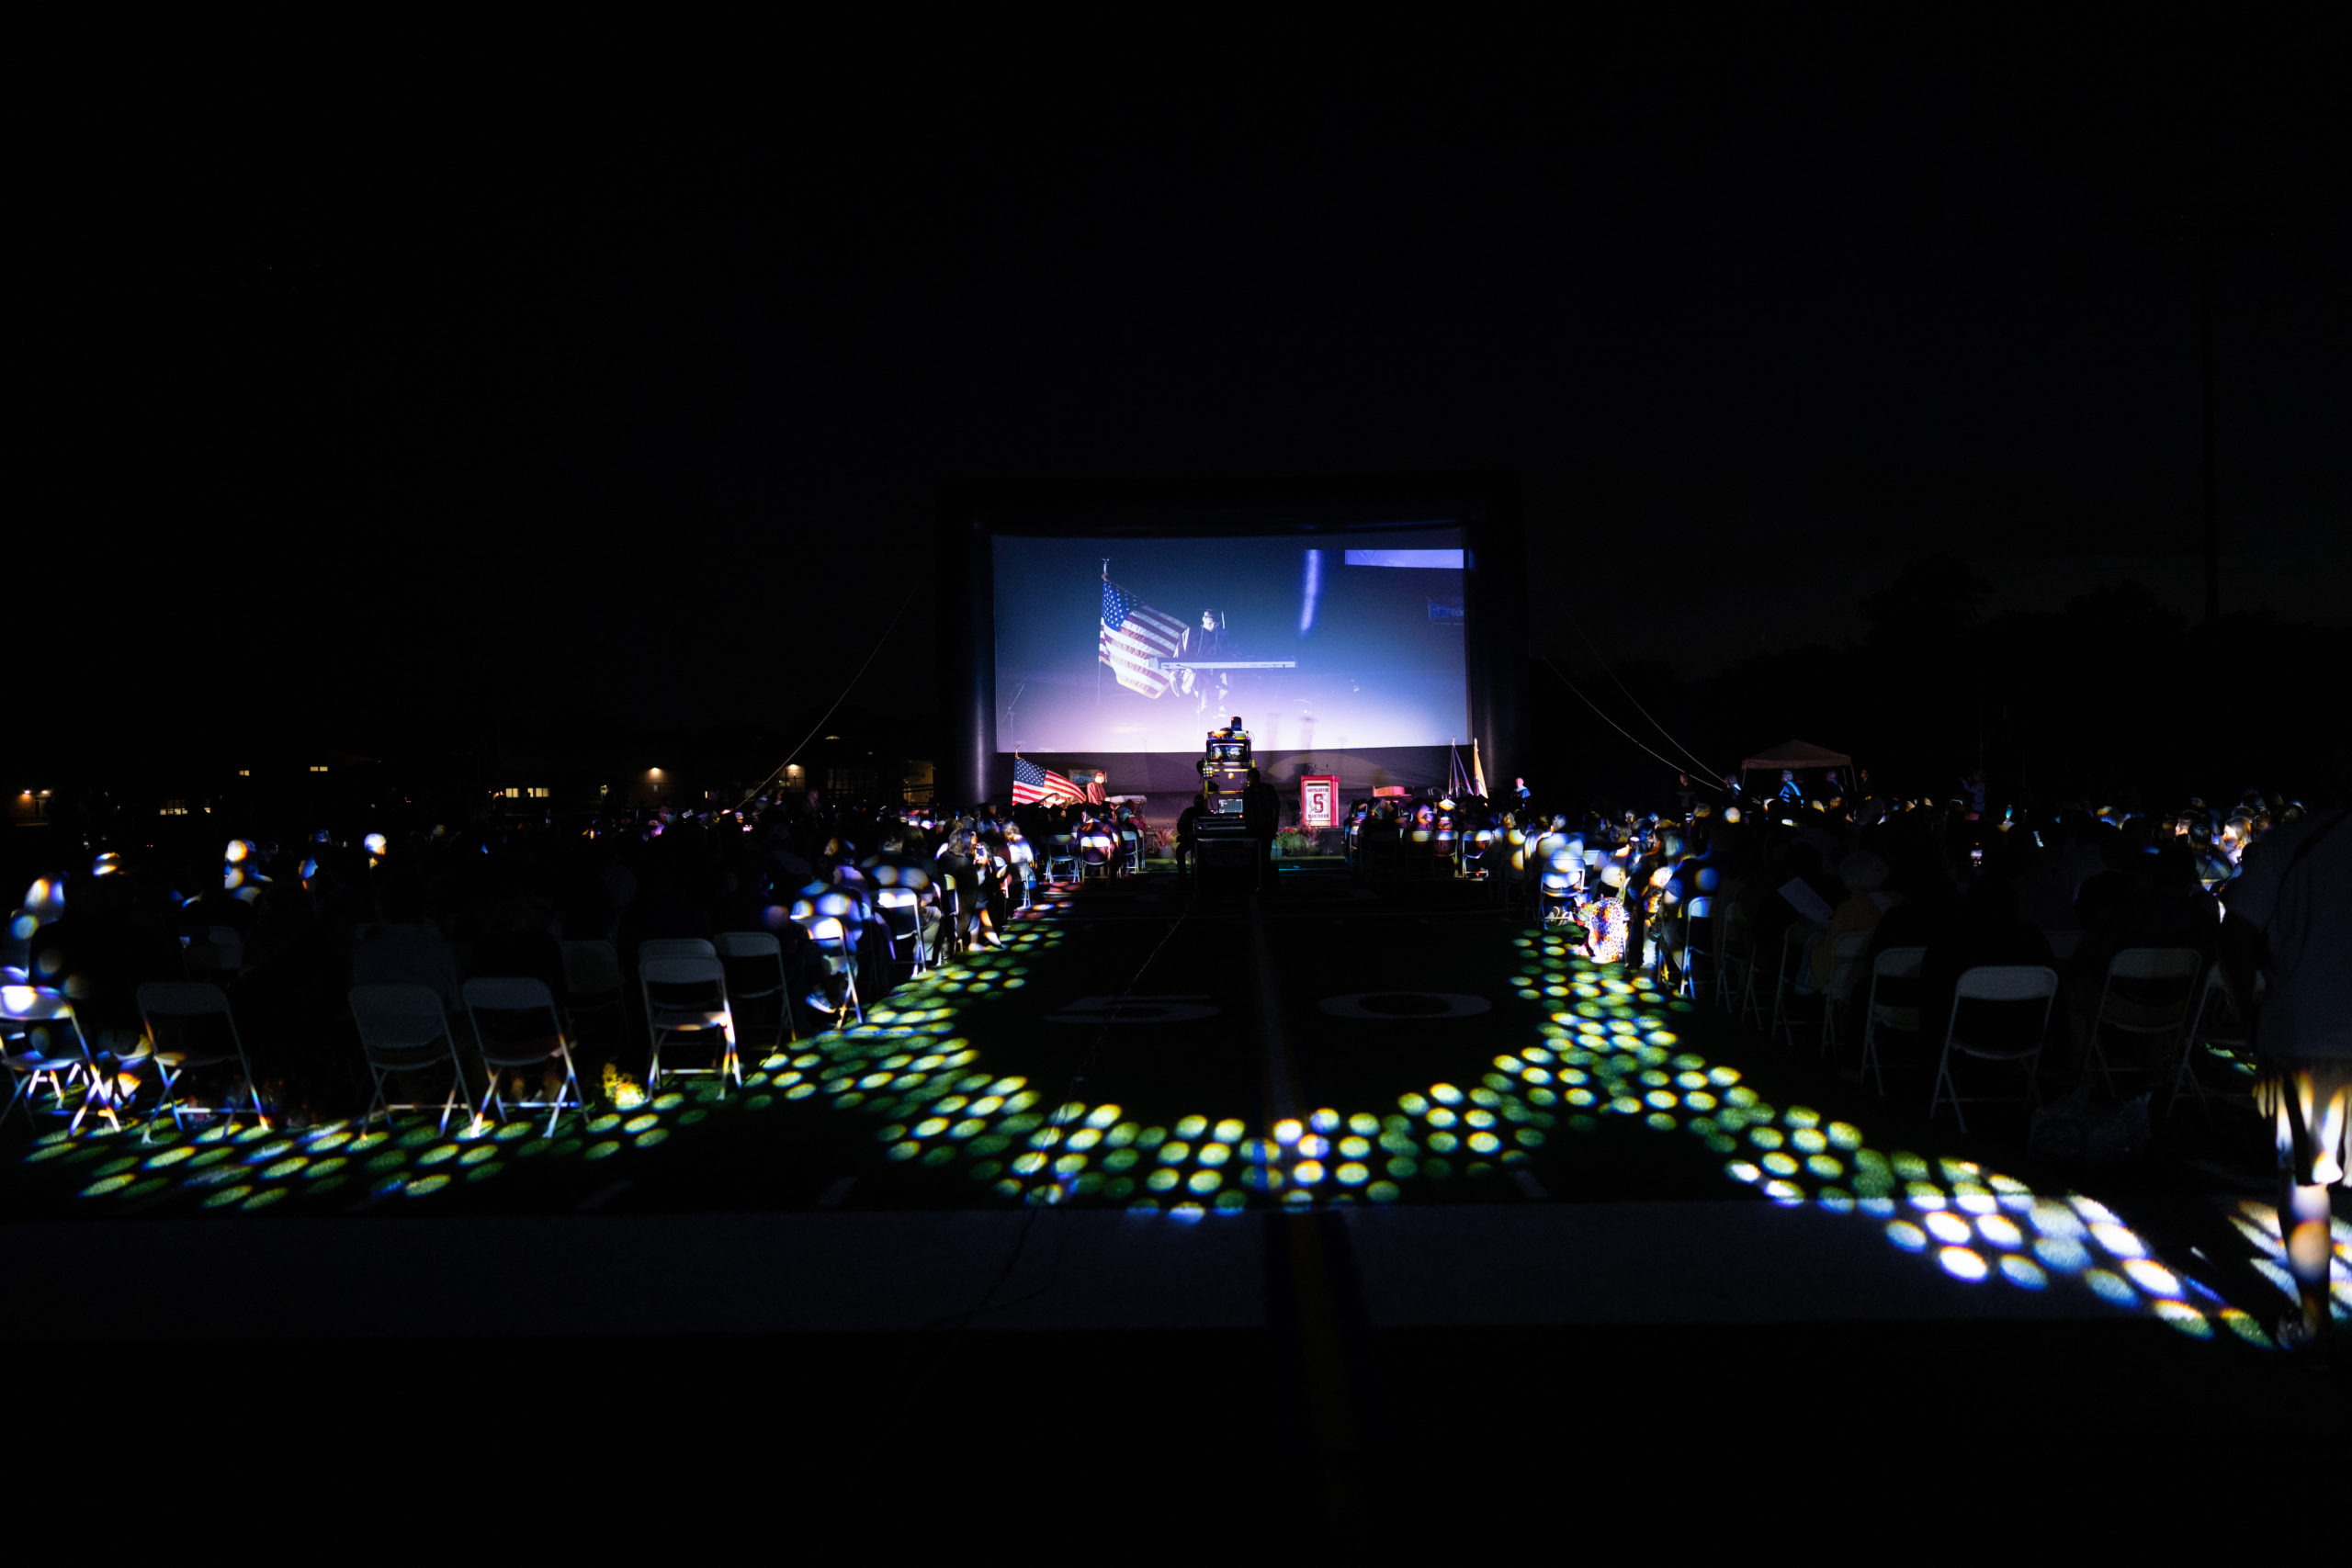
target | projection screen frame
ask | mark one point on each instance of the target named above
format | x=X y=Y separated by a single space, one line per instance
x=1484 y=505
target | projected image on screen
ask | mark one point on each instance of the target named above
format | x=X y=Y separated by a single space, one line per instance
x=1332 y=641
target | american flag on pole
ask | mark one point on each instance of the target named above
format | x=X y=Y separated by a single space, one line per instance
x=1135 y=636
x=1032 y=783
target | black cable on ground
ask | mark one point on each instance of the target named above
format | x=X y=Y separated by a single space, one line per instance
x=957 y=1322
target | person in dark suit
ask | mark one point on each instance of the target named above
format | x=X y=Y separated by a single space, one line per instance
x=1261 y=810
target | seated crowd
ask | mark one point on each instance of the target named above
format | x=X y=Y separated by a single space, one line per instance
x=857 y=898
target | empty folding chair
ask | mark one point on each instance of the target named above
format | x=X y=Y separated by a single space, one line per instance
x=41 y=1043
x=403 y=1030
x=1895 y=974
x=832 y=941
x=508 y=1043
x=592 y=986
x=950 y=909
x=1738 y=955
x=754 y=964
x=901 y=911
x=1698 y=944
x=1784 y=988
x=178 y=1050
x=673 y=947
x=1845 y=981
x=688 y=996
x=1061 y=857
x=2012 y=983
x=2219 y=1021
x=2160 y=991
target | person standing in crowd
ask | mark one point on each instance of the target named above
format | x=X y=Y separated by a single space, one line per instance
x=1261 y=810
x=1187 y=821
x=2289 y=918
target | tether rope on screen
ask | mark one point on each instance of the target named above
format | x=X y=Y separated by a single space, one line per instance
x=1571 y=686
x=879 y=643
x=1706 y=770
x=1703 y=768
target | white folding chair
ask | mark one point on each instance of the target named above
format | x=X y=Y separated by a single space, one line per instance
x=504 y=1049
x=41 y=1041
x=2219 y=1021
x=1904 y=964
x=673 y=947
x=1784 y=988
x=833 y=945
x=754 y=962
x=688 y=996
x=1846 y=956
x=592 y=987
x=184 y=1003
x=1994 y=983
x=1738 y=956
x=2173 y=969
x=403 y=1030
x=901 y=911
x=1698 y=943
x=1061 y=855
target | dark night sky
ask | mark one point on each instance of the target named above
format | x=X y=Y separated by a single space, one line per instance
x=405 y=406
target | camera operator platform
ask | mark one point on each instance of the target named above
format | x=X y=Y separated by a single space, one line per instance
x=1226 y=852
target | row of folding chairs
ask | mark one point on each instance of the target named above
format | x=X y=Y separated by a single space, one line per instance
x=2195 y=1010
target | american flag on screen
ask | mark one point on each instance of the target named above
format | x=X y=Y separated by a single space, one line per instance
x=1032 y=783
x=1134 y=635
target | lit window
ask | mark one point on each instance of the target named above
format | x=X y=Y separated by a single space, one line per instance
x=537 y=792
x=513 y=794
x=317 y=767
x=244 y=773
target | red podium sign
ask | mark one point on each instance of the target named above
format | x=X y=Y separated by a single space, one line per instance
x=1318 y=800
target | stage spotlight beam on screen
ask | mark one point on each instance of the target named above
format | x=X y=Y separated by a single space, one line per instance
x=1361 y=626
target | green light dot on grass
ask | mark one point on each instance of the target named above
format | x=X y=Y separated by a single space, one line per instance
x=425 y=1186
x=1161 y=1180
x=284 y=1167
x=688 y=1118
x=226 y=1196
x=477 y=1155
x=1404 y=1168
x=323 y=1167
x=605 y=1150
x=1384 y=1192
x=652 y=1136
x=758 y=1102
x=1661 y=1121
x=801 y=1091
x=388 y=1161
x=105 y=1185
x=169 y=1156
x=265 y=1198
x=1029 y=1164
x=438 y=1154
x=939 y=1154
x=1485 y=1143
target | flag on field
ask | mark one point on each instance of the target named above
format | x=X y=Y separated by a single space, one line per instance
x=1135 y=638
x=1032 y=783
